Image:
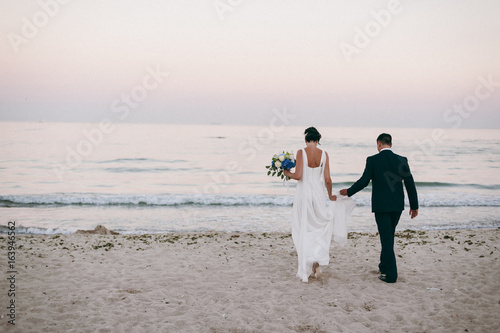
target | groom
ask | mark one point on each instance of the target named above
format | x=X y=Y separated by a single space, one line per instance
x=388 y=172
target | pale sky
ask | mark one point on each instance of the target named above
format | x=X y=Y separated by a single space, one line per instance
x=233 y=62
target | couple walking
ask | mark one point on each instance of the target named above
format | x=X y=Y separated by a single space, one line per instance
x=315 y=219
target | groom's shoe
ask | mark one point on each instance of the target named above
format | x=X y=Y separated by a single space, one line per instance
x=384 y=278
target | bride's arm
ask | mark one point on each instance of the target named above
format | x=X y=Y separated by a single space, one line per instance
x=328 y=179
x=297 y=175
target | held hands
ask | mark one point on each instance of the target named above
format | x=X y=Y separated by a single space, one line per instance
x=413 y=212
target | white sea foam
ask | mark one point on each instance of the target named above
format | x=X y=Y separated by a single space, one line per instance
x=444 y=199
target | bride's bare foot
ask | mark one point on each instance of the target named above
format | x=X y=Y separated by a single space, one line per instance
x=316 y=271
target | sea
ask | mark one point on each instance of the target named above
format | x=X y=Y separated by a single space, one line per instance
x=162 y=178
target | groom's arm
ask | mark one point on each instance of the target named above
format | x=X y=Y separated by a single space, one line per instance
x=411 y=189
x=363 y=181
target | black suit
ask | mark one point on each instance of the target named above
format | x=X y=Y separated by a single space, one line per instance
x=388 y=172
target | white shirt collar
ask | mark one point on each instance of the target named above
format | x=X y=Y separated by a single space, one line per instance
x=385 y=149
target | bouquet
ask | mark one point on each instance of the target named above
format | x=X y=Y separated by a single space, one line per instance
x=281 y=162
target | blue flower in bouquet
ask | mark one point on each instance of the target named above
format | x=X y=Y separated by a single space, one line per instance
x=279 y=163
x=287 y=164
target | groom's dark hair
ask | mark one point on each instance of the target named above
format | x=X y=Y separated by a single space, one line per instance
x=385 y=138
x=312 y=134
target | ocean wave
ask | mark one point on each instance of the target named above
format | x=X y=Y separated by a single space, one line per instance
x=91 y=199
x=131 y=169
x=436 y=185
x=444 y=199
x=35 y=230
x=441 y=184
x=140 y=159
x=433 y=185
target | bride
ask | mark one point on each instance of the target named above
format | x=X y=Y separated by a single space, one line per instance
x=315 y=218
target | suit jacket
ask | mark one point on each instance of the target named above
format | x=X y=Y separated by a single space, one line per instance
x=387 y=171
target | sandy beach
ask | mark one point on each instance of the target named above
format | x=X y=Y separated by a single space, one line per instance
x=242 y=282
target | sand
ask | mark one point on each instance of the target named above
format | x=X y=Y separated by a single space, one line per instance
x=216 y=282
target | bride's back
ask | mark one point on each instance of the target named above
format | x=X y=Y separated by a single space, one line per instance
x=313 y=156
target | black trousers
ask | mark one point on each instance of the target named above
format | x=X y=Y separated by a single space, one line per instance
x=386 y=223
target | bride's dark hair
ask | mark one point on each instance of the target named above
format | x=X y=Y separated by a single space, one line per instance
x=312 y=134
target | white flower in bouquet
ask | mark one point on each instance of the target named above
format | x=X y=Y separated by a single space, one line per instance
x=281 y=158
x=278 y=164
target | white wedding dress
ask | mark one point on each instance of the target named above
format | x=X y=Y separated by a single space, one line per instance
x=315 y=218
